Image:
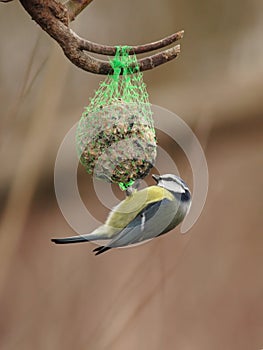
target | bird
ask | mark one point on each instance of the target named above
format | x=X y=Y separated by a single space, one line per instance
x=143 y=215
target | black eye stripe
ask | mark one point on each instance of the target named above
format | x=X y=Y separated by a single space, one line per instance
x=169 y=179
x=178 y=181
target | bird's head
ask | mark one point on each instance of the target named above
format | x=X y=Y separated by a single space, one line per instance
x=173 y=184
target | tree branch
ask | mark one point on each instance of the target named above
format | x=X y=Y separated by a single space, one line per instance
x=53 y=18
x=111 y=50
x=74 y=7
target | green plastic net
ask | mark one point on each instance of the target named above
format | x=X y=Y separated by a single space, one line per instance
x=115 y=136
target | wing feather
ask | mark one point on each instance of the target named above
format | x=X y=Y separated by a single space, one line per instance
x=133 y=232
x=129 y=208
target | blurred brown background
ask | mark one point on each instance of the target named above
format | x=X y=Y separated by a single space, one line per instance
x=199 y=291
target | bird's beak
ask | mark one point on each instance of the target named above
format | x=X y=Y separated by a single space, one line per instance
x=156 y=177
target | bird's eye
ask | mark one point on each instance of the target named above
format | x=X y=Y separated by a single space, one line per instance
x=185 y=196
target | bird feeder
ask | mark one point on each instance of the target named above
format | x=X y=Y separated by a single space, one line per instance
x=115 y=137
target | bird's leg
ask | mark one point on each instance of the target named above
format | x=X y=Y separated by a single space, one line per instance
x=129 y=191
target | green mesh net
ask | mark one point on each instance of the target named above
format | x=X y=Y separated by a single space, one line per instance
x=115 y=136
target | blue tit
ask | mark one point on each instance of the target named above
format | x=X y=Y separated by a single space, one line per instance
x=145 y=214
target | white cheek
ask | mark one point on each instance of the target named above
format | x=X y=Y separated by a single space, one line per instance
x=188 y=208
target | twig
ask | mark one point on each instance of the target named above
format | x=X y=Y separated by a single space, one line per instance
x=53 y=18
x=74 y=7
x=111 y=50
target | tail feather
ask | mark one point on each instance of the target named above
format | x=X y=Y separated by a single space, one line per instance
x=103 y=232
x=93 y=236
x=75 y=239
x=101 y=249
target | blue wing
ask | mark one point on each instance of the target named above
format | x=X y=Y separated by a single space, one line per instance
x=150 y=223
